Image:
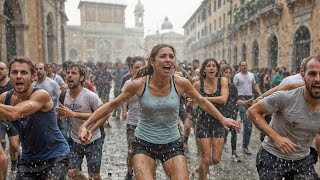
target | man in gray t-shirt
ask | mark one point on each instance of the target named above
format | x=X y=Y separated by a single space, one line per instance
x=78 y=105
x=285 y=152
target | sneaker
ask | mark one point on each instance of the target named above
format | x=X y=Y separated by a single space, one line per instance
x=246 y=151
x=235 y=158
x=13 y=167
x=129 y=175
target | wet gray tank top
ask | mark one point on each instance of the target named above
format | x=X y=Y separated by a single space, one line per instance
x=158 y=122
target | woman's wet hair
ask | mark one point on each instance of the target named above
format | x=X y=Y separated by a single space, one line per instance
x=136 y=59
x=148 y=70
x=204 y=64
x=225 y=67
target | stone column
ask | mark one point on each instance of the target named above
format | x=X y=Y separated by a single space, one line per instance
x=22 y=39
x=3 y=45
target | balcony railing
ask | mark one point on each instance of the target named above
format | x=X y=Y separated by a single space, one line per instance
x=292 y=3
x=255 y=9
x=289 y=2
x=218 y=35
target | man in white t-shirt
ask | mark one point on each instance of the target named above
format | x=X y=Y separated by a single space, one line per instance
x=297 y=78
x=245 y=83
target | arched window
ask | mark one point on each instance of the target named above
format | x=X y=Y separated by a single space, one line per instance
x=244 y=52
x=273 y=51
x=255 y=54
x=219 y=3
x=10 y=30
x=104 y=50
x=73 y=54
x=235 y=55
x=229 y=55
x=50 y=38
x=302 y=41
x=63 y=43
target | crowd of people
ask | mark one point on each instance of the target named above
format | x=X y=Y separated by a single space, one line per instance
x=57 y=115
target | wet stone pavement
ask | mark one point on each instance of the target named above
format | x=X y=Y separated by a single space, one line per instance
x=115 y=153
x=115 y=149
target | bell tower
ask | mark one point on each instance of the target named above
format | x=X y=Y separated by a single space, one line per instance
x=138 y=12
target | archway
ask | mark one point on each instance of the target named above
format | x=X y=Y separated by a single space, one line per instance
x=273 y=51
x=244 y=52
x=302 y=43
x=255 y=54
x=104 y=50
x=73 y=54
x=13 y=14
x=235 y=55
x=50 y=38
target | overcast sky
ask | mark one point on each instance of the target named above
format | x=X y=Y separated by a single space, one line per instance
x=178 y=12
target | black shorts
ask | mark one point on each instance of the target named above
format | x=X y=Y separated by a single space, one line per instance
x=162 y=152
x=6 y=127
x=55 y=168
x=210 y=133
x=93 y=153
x=272 y=167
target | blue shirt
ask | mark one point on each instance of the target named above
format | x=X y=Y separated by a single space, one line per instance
x=39 y=134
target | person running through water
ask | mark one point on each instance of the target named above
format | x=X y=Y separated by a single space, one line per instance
x=285 y=151
x=157 y=135
x=133 y=113
x=45 y=151
x=231 y=109
x=210 y=131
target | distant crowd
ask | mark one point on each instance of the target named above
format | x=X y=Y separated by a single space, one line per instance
x=57 y=114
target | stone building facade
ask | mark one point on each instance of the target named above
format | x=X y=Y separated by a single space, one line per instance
x=265 y=33
x=167 y=36
x=35 y=29
x=102 y=35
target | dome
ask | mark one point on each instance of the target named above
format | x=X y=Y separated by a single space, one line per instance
x=166 y=24
x=139 y=7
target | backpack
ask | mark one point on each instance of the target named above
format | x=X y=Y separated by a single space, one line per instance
x=62 y=96
x=61 y=100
